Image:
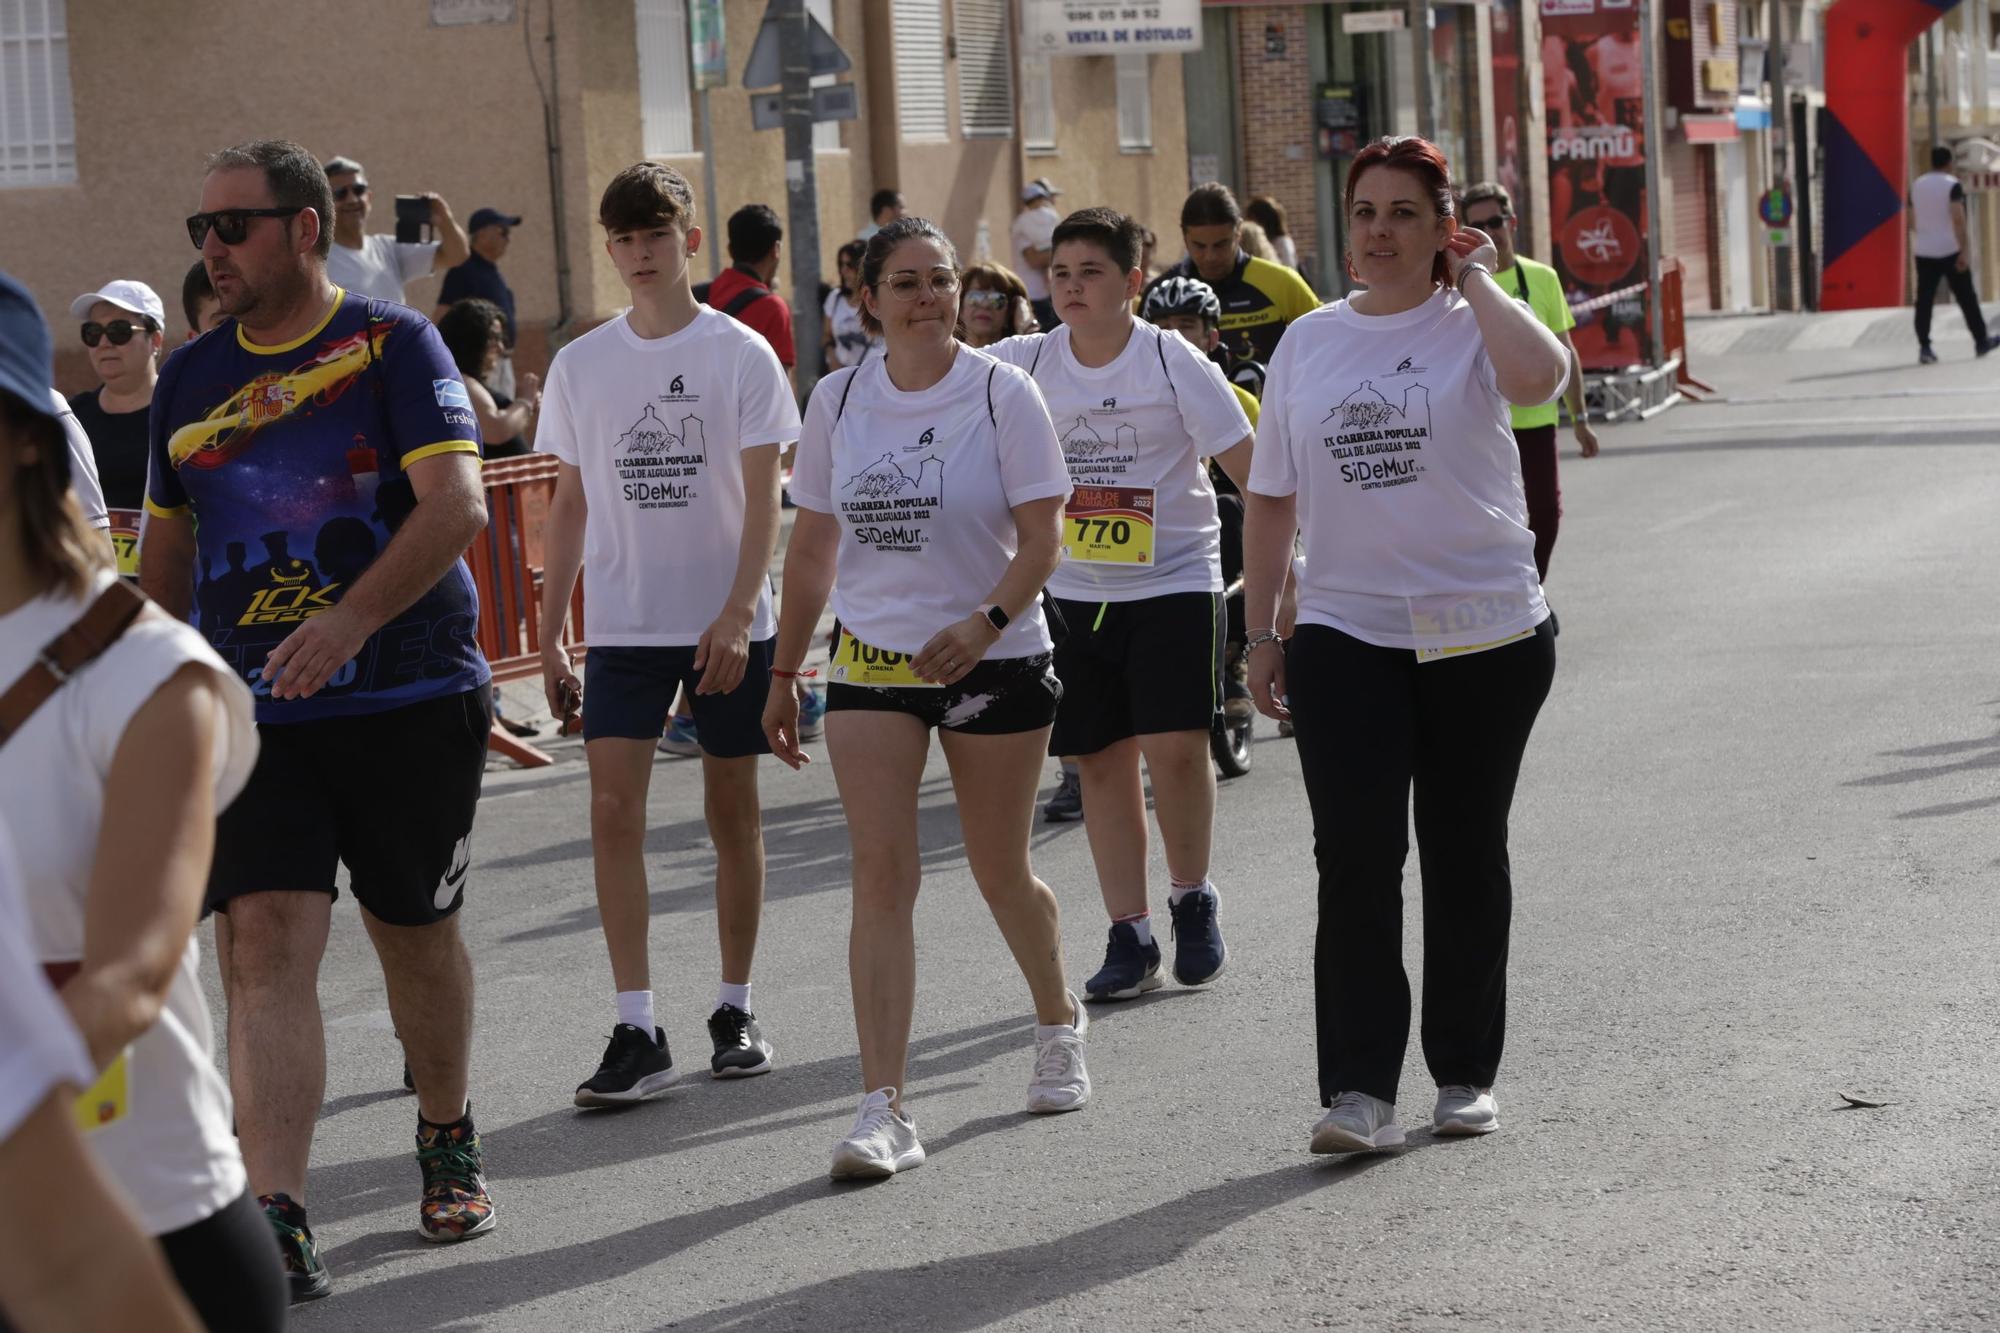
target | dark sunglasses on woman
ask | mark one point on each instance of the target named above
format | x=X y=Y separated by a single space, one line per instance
x=231 y=225
x=356 y=190
x=119 y=331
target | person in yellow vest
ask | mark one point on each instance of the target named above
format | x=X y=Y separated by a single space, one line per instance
x=1488 y=208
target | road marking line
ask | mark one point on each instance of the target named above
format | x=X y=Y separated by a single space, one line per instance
x=1694 y=516
x=1797 y=423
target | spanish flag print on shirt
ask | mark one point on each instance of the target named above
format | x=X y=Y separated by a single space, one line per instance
x=292 y=463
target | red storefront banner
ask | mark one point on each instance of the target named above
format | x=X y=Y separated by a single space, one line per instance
x=1593 y=88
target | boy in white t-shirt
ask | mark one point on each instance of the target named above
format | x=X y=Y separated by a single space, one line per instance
x=668 y=422
x=1139 y=410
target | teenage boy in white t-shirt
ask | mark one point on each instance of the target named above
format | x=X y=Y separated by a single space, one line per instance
x=668 y=422
x=1138 y=409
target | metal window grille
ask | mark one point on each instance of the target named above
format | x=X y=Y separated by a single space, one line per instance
x=666 y=114
x=1038 y=101
x=985 y=69
x=37 y=121
x=920 y=91
x=1135 y=101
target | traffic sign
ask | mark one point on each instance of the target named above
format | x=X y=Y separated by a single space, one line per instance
x=766 y=70
x=836 y=101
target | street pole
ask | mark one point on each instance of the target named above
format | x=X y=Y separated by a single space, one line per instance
x=801 y=189
x=1419 y=23
x=714 y=244
x=1932 y=38
x=1781 y=144
x=1656 y=328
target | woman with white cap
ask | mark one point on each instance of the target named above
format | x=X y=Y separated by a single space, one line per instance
x=124 y=326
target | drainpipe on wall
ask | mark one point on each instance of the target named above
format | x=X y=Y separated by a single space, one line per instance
x=552 y=133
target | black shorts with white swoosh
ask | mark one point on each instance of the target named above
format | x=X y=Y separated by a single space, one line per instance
x=390 y=795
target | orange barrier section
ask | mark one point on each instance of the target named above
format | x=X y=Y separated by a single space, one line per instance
x=1673 y=322
x=506 y=562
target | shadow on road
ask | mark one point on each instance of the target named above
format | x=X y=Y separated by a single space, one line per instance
x=1967 y=756
x=964 y=1293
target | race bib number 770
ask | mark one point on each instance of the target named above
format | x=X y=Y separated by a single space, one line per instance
x=1109 y=525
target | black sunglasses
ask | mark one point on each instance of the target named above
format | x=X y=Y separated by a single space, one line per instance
x=1487 y=224
x=231 y=225
x=119 y=331
x=357 y=189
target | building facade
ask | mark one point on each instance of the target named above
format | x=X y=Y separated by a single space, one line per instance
x=530 y=106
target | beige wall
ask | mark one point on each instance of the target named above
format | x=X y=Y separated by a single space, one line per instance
x=456 y=110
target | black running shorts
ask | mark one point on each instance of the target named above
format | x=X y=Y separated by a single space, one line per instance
x=1137 y=669
x=1000 y=697
x=389 y=795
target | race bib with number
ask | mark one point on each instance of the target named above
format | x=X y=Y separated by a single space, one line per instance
x=106 y=1101
x=857 y=663
x=1109 y=525
x=1440 y=654
x=125 y=540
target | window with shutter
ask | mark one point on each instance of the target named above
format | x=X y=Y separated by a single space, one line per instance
x=985 y=69
x=920 y=95
x=666 y=116
x=1038 y=103
x=1135 y=102
x=37 y=120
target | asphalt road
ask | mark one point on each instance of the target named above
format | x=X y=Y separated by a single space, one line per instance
x=1754 y=870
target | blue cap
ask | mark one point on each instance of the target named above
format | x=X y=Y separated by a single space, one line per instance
x=490 y=217
x=27 y=357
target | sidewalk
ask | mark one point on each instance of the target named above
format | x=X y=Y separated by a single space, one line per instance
x=1713 y=336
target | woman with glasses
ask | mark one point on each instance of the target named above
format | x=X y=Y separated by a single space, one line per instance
x=1423 y=650
x=844 y=341
x=124 y=325
x=995 y=305
x=475 y=333
x=930 y=489
x=111 y=785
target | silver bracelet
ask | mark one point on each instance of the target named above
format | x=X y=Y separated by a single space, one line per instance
x=1470 y=268
x=1263 y=636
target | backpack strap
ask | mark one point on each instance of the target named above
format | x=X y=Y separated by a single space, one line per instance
x=991 y=415
x=1160 y=346
x=845 y=389
x=1036 y=359
x=68 y=653
x=746 y=298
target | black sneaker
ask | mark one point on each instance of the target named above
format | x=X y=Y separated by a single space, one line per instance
x=1925 y=356
x=1130 y=968
x=1066 y=806
x=1986 y=346
x=740 y=1048
x=1198 y=949
x=634 y=1067
x=305 y=1275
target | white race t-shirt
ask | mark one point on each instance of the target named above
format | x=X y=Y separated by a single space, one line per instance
x=39 y=1047
x=658 y=426
x=1392 y=432
x=83 y=482
x=173 y=1151
x=381 y=266
x=1144 y=422
x=924 y=485
x=851 y=342
x=1931 y=196
x=1035 y=228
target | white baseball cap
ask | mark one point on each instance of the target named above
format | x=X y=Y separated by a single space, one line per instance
x=126 y=294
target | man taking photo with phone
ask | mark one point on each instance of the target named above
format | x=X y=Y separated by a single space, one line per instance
x=380 y=264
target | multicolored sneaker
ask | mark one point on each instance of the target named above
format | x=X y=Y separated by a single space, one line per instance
x=305 y=1275
x=456 y=1205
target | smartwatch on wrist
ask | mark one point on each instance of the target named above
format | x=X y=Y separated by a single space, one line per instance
x=996 y=617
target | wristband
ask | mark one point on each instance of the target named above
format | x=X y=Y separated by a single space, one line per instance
x=1263 y=636
x=795 y=675
x=1468 y=269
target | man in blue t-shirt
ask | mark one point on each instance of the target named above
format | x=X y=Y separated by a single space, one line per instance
x=315 y=465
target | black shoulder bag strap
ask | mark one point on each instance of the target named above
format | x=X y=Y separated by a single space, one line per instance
x=744 y=299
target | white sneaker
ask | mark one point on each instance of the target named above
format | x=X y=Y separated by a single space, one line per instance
x=881 y=1142
x=1357 y=1123
x=1061 y=1083
x=1463 y=1109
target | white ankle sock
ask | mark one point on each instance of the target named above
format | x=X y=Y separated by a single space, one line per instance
x=731 y=993
x=1180 y=890
x=1142 y=925
x=636 y=1007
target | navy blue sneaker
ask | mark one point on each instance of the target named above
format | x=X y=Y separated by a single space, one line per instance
x=1130 y=968
x=1198 y=949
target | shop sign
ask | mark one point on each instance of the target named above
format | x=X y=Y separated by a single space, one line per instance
x=1069 y=28
x=1593 y=94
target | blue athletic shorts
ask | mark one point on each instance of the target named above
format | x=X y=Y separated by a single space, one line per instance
x=628 y=692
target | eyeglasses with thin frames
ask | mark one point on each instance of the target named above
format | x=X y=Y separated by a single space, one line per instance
x=231 y=225
x=908 y=284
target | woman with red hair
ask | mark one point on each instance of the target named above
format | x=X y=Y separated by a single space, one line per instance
x=1385 y=443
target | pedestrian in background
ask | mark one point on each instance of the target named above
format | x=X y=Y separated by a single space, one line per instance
x=745 y=289
x=377 y=264
x=1943 y=252
x=1488 y=208
x=994 y=305
x=1033 y=235
x=124 y=326
x=128 y=713
x=489 y=232
x=843 y=340
x=1384 y=442
x=1269 y=214
x=884 y=207
x=930 y=488
x=1259 y=297
x=475 y=333
x=199 y=302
